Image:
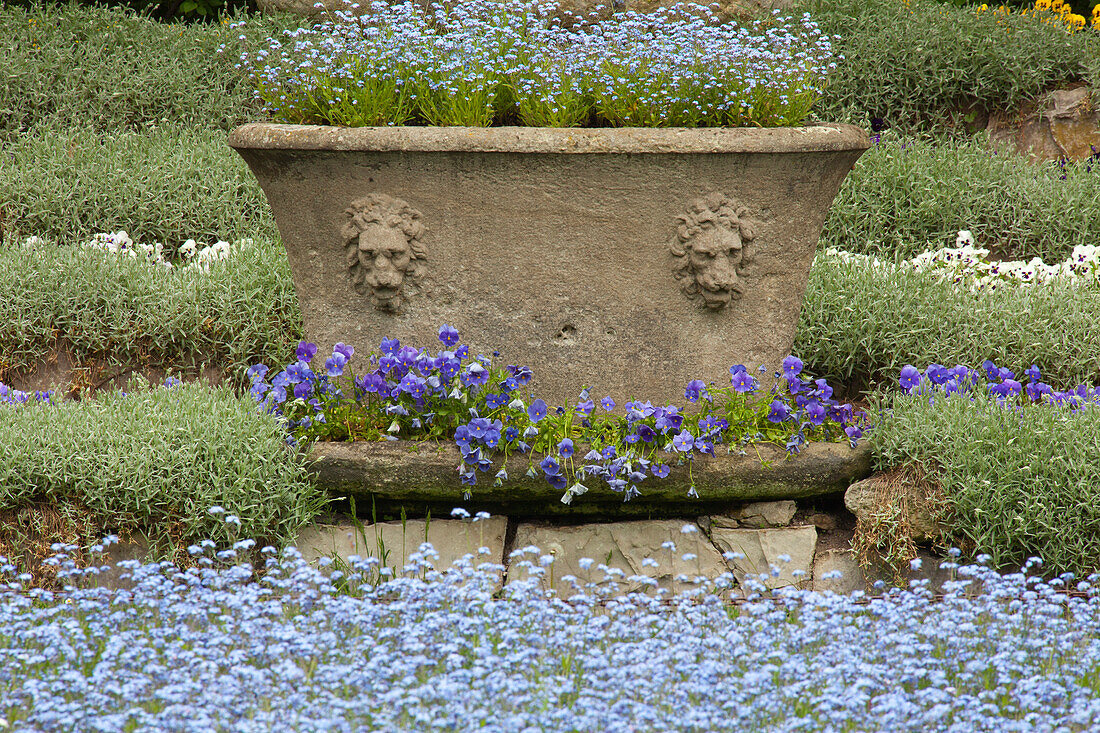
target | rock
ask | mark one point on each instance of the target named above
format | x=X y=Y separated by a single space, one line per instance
x=824 y=522
x=762 y=514
x=451 y=538
x=621 y=545
x=762 y=548
x=137 y=548
x=758 y=514
x=867 y=497
x=1065 y=123
x=828 y=563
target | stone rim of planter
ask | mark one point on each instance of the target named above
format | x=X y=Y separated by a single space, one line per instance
x=541 y=140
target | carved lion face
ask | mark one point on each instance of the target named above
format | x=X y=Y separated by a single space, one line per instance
x=383 y=249
x=712 y=251
x=716 y=257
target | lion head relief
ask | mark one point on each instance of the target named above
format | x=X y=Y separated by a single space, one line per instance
x=712 y=249
x=384 y=252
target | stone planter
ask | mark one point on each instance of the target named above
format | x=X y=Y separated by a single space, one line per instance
x=628 y=260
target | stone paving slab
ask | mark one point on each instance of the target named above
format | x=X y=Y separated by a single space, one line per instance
x=762 y=548
x=451 y=538
x=622 y=545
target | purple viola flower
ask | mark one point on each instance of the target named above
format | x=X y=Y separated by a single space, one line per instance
x=565 y=448
x=668 y=418
x=659 y=470
x=256 y=372
x=549 y=466
x=302 y=390
x=537 y=410
x=792 y=367
x=991 y=370
x=646 y=433
x=462 y=351
x=511 y=434
x=854 y=434
x=778 y=411
x=306 y=351
x=607 y=403
x=556 y=480
x=475 y=374
x=299 y=372
x=743 y=382
x=448 y=335
x=909 y=378
x=696 y=390
x=585 y=408
x=815 y=411
x=522 y=374
x=683 y=442
x=390 y=346
x=1033 y=373
x=608 y=452
x=493 y=401
x=823 y=389
x=334 y=365
x=413 y=385
x=1036 y=390
x=344 y=349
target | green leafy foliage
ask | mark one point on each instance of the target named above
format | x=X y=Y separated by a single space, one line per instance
x=1019 y=482
x=155 y=460
x=166 y=185
x=861 y=324
x=109 y=69
x=906 y=196
x=921 y=64
x=128 y=311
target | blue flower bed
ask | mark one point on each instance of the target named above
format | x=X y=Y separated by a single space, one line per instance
x=302 y=649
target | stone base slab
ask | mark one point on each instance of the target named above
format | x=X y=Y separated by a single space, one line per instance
x=421 y=476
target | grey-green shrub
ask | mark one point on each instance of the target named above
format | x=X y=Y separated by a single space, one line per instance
x=110 y=70
x=244 y=310
x=905 y=196
x=912 y=63
x=1020 y=483
x=861 y=324
x=168 y=185
x=155 y=460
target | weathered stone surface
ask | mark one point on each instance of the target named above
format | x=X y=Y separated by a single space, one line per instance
x=450 y=538
x=622 y=545
x=1066 y=123
x=823 y=521
x=761 y=548
x=865 y=497
x=136 y=549
x=758 y=514
x=769 y=513
x=829 y=562
x=564 y=249
x=425 y=476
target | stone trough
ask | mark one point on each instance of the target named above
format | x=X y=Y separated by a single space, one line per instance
x=422 y=477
